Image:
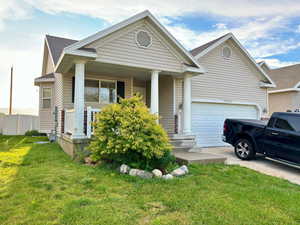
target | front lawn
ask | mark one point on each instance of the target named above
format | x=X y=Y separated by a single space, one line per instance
x=39 y=184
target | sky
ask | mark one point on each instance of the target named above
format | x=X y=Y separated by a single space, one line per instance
x=268 y=29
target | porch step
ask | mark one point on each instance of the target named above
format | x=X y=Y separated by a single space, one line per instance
x=198 y=157
x=182 y=142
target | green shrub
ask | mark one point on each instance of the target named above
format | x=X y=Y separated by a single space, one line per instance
x=128 y=133
x=32 y=133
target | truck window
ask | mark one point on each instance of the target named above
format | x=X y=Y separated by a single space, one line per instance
x=283 y=124
x=294 y=121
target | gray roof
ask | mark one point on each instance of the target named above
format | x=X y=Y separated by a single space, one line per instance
x=201 y=48
x=285 y=77
x=57 y=45
x=45 y=78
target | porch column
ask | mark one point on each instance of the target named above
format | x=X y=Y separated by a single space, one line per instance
x=154 y=105
x=79 y=100
x=187 y=104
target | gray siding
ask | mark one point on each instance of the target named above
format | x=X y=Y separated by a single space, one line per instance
x=121 y=48
x=233 y=79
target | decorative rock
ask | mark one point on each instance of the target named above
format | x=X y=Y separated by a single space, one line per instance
x=167 y=176
x=124 y=168
x=157 y=173
x=145 y=174
x=133 y=172
x=180 y=171
x=88 y=160
x=185 y=169
x=140 y=173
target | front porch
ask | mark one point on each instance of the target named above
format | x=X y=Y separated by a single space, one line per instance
x=92 y=90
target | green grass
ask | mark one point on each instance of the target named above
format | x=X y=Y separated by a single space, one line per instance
x=39 y=184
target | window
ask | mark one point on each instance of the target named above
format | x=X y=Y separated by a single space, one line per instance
x=99 y=91
x=283 y=124
x=46 y=98
x=226 y=52
x=108 y=92
x=91 y=90
x=294 y=121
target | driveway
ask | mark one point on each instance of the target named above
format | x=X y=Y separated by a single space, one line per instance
x=261 y=164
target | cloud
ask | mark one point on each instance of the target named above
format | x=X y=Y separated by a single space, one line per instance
x=113 y=10
x=276 y=63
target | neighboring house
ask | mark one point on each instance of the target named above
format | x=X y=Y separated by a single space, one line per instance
x=286 y=95
x=205 y=85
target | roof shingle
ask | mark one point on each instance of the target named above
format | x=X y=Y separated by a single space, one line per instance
x=285 y=77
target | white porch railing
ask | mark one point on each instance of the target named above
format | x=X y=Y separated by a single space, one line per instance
x=69 y=121
x=91 y=117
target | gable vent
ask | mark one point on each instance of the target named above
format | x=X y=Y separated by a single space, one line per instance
x=143 y=39
x=226 y=52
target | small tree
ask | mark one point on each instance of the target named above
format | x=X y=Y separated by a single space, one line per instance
x=128 y=133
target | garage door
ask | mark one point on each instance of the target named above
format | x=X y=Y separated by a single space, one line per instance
x=208 y=120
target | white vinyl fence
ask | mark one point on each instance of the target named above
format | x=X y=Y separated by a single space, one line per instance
x=18 y=124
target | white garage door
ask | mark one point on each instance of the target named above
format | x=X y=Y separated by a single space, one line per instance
x=208 y=120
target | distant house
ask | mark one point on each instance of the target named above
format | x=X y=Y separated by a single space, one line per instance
x=286 y=95
x=193 y=92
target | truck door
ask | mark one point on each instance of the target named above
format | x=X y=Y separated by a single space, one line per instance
x=283 y=139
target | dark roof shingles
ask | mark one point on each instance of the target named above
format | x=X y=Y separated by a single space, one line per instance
x=57 y=44
x=201 y=48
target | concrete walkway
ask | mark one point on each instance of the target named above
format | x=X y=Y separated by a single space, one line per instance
x=260 y=164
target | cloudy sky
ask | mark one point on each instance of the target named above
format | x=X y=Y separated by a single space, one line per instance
x=269 y=29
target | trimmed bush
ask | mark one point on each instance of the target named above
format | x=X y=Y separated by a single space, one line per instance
x=32 y=133
x=128 y=133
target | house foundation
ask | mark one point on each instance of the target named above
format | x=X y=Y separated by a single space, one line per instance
x=75 y=148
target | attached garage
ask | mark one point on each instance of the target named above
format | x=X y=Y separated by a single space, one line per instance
x=208 y=120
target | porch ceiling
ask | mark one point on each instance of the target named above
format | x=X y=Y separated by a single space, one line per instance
x=95 y=67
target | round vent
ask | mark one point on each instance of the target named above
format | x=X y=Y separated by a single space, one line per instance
x=226 y=52
x=143 y=39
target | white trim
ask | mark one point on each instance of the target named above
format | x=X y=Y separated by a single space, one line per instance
x=284 y=90
x=194 y=70
x=297 y=85
x=225 y=38
x=219 y=101
x=264 y=63
x=174 y=96
x=125 y=23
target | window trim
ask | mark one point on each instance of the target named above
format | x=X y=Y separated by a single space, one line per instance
x=45 y=98
x=99 y=86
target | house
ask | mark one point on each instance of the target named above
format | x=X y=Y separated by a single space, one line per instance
x=191 y=91
x=286 y=95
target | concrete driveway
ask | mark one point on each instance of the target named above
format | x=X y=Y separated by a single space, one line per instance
x=261 y=164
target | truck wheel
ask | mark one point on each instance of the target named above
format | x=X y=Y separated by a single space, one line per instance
x=244 y=149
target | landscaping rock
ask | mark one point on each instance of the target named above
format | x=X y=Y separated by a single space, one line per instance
x=180 y=171
x=157 y=173
x=133 y=172
x=144 y=174
x=140 y=173
x=167 y=176
x=88 y=160
x=124 y=169
x=185 y=168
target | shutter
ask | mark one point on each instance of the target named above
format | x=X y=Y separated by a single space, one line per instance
x=120 y=90
x=73 y=89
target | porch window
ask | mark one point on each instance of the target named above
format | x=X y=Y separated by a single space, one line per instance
x=108 y=92
x=91 y=90
x=100 y=91
x=46 y=98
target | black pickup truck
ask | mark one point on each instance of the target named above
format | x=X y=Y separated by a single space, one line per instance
x=279 y=138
